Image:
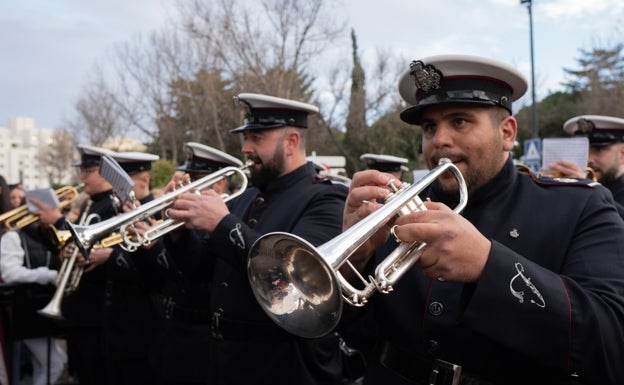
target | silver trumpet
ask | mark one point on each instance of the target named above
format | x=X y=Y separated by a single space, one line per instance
x=69 y=276
x=85 y=237
x=300 y=287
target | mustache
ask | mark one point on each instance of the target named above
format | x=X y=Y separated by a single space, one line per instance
x=436 y=156
x=254 y=159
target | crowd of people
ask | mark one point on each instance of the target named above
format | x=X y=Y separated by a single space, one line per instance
x=524 y=285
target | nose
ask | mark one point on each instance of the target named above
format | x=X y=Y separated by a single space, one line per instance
x=246 y=147
x=442 y=136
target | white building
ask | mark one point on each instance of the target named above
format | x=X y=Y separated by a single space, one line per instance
x=22 y=146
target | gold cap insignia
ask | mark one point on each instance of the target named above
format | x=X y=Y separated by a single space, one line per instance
x=426 y=77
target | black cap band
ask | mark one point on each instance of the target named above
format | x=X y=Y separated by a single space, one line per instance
x=87 y=160
x=385 y=167
x=203 y=165
x=135 y=167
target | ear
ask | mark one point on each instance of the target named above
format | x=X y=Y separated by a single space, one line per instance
x=292 y=140
x=509 y=131
x=621 y=145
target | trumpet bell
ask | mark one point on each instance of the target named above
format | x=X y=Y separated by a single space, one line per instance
x=300 y=286
x=52 y=310
x=294 y=285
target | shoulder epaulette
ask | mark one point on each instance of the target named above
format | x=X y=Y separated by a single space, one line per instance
x=320 y=179
x=554 y=181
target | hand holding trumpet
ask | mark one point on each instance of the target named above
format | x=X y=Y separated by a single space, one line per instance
x=455 y=250
x=200 y=210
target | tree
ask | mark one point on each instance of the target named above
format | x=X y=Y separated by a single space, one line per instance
x=57 y=157
x=98 y=114
x=356 y=128
x=598 y=84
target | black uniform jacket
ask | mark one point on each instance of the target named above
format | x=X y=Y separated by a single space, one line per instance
x=550 y=300
x=83 y=307
x=131 y=308
x=249 y=347
x=617 y=189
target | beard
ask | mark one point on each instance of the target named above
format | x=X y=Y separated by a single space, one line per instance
x=609 y=176
x=268 y=171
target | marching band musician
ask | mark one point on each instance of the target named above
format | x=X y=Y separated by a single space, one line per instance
x=491 y=299
x=287 y=195
x=179 y=355
x=132 y=304
x=606 y=153
x=26 y=258
x=83 y=308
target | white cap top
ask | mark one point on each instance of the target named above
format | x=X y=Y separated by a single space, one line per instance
x=90 y=155
x=206 y=159
x=601 y=130
x=458 y=79
x=384 y=163
x=265 y=112
x=133 y=161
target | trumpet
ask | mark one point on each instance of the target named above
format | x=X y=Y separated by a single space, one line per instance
x=299 y=286
x=85 y=237
x=20 y=217
x=69 y=275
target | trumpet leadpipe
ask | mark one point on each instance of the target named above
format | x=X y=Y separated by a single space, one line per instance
x=85 y=237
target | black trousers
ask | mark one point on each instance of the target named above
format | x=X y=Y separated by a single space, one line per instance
x=85 y=353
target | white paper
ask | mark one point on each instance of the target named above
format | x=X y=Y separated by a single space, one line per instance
x=574 y=149
x=117 y=177
x=47 y=196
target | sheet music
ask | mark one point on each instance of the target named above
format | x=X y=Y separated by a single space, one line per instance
x=47 y=196
x=117 y=177
x=574 y=149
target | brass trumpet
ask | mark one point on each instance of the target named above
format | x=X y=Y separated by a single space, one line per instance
x=85 y=237
x=69 y=274
x=20 y=217
x=299 y=286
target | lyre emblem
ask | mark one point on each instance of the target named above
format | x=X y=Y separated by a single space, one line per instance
x=519 y=294
x=236 y=236
x=426 y=77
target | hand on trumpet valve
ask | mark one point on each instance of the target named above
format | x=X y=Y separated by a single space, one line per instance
x=453 y=248
x=198 y=211
x=138 y=230
x=368 y=188
x=96 y=257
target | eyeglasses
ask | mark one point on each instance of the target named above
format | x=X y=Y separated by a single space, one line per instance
x=86 y=171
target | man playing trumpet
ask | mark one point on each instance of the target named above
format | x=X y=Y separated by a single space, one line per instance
x=83 y=308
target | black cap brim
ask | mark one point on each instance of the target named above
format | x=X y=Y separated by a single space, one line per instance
x=413 y=115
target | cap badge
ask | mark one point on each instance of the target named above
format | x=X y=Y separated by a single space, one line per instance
x=426 y=77
x=585 y=126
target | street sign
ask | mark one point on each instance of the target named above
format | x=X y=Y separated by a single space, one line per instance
x=533 y=149
x=533 y=153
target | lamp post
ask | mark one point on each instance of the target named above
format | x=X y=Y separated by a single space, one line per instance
x=533 y=106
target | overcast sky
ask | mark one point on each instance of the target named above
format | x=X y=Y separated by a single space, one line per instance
x=49 y=47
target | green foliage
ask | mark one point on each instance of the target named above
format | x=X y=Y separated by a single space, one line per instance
x=162 y=171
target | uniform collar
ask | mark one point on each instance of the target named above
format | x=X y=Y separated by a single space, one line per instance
x=101 y=196
x=285 y=181
x=489 y=191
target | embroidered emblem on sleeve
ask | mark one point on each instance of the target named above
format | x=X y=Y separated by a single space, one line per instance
x=162 y=259
x=236 y=236
x=121 y=261
x=527 y=281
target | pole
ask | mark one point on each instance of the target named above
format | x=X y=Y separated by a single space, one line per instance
x=533 y=105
